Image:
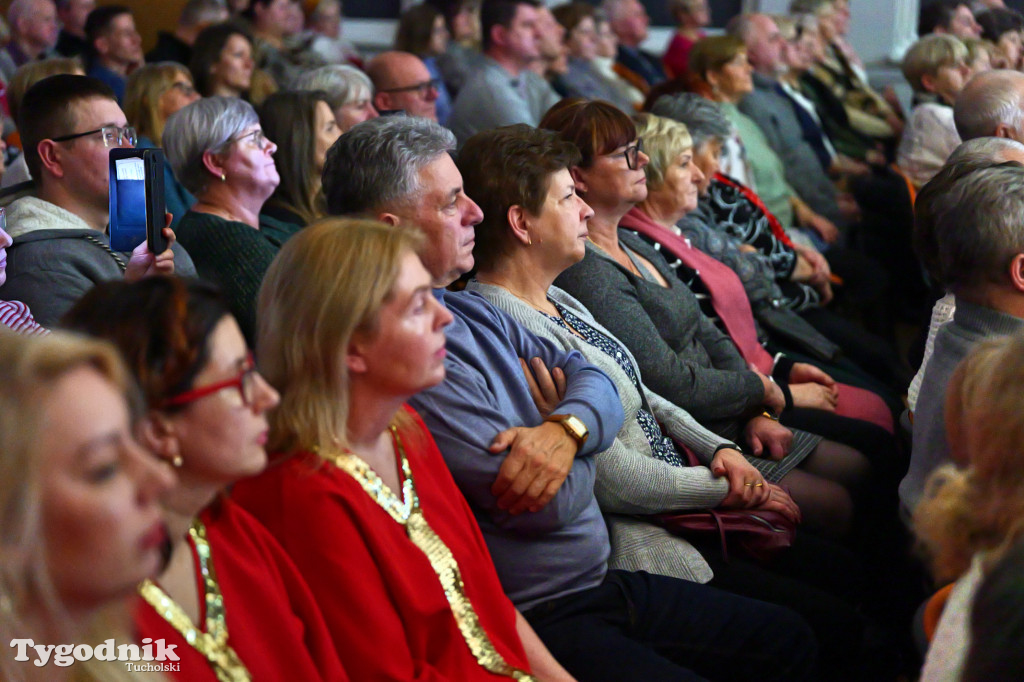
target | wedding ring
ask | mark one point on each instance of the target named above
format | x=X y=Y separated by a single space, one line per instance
x=759 y=485
x=748 y=484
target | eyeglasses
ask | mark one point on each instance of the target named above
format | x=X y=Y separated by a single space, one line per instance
x=245 y=383
x=113 y=136
x=259 y=139
x=421 y=88
x=632 y=153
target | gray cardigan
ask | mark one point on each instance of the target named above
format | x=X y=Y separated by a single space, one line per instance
x=629 y=479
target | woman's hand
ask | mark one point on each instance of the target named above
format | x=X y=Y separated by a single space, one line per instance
x=547 y=388
x=144 y=264
x=780 y=501
x=814 y=396
x=768 y=438
x=746 y=485
x=803 y=372
x=774 y=400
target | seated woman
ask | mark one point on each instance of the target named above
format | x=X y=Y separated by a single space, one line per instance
x=581 y=41
x=79 y=503
x=971 y=515
x=1002 y=27
x=348 y=92
x=633 y=292
x=206 y=418
x=358 y=493
x=222 y=62
x=536 y=230
x=936 y=68
x=14 y=315
x=219 y=151
x=304 y=128
x=421 y=31
x=691 y=17
x=154 y=92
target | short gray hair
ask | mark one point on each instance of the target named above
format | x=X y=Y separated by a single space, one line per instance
x=205 y=125
x=987 y=100
x=981 y=228
x=702 y=117
x=984 y=149
x=196 y=12
x=340 y=82
x=20 y=9
x=375 y=166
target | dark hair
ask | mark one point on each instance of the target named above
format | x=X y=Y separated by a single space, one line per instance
x=505 y=167
x=595 y=127
x=937 y=14
x=99 y=20
x=207 y=49
x=997 y=623
x=161 y=325
x=451 y=9
x=571 y=14
x=415 y=29
x=999 y=20
x=289 y=119
x=48 y=110
x=499 y=13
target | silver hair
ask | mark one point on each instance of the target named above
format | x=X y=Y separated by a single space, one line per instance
x=205 y=125
x=611 y=8
x=340 y=82
x=984 y=150
x=375 y=166
x=196 y=12
x=702 y=117
x=20 y=9
x=987 y=100
x=982 y=228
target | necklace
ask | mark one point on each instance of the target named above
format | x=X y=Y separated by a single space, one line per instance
x=407 y=512
x=212 y=644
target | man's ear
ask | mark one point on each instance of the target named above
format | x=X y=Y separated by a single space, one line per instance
x=518 y=221
x=1017 y=272
x=50 y=155
x=101 y=45
x=389 y=219
x=156 y=431
x=382 y=101
x=499 y=35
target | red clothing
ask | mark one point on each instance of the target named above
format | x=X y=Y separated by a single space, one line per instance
x=273 y=622
x=378 y=592
x=677 y=56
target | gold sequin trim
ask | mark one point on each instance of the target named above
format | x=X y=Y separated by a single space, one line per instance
x=212 y=644
x=407 y=512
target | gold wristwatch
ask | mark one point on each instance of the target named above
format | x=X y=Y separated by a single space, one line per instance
x=573 y=425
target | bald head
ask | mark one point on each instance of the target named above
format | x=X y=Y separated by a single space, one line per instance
x=402 y=81
x=991 y=105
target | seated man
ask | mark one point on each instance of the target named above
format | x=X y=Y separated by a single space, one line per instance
x=116 y=46
x=72 y=15
x=503 y=90
x=402 y=82
x=536 y=505
x=951 y=17
x=629 y=21
x=68 y=124
x=991 y=105
x=33 y=34
x=974 y=245
x=195 y=16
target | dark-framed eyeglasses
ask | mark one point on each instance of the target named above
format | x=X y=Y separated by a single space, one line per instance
x=632 y=153
x=420 y=88
x=113 y=136
x=244 y=383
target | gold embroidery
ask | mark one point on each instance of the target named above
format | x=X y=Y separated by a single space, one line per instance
x=407 y=513
x=212 y=644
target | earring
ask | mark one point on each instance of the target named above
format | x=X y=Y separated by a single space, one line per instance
x=529 y=240
x=223 y=178
x=175 y=462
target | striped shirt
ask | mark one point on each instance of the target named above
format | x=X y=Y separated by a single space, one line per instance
x=15 y=315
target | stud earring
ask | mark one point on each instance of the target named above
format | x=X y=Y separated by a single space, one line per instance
x=176 y=461
x=529 y=240
x=223 y=178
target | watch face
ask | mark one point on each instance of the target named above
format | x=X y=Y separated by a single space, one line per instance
x=577 y=425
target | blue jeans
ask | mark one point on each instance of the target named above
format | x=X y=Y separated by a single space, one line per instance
x=649 y=628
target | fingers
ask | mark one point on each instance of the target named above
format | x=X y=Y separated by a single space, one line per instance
x=544 y=381
x=561 y=383
x=756 y=447
x=167 y=222
x=503 y=441
x=531 y=383
x=168 y=233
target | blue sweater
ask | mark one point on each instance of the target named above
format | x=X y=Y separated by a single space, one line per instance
x=564 y=547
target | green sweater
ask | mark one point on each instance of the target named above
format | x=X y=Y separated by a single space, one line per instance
x=232 y=255
x=765 y=166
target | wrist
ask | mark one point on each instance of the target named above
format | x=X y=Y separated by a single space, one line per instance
x=572 y=426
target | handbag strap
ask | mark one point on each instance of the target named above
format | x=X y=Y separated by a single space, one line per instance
x=106 y=247
x=721 y=533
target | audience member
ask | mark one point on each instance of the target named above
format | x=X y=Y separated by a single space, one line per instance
x=325 y=24
x=154 y=92
x=217 y=148
x=79 y=504
x=115 y=46
x=14 y=315
x=61 y=249
x=974 y=246
x=629 y=21
x=222 y=62
x=304 y=127
x=968 y=517
x=33 y=34
x=195 y=16
x=206 y=418
x=552 y=65
x=270 y=21
x=462 y=17
x=582 y=79
x=991 y=104
x=347 y=90
x=951 y=17
x=402 y=82
x=625 y=82
x=422 y=32
x=936 y=68
x=691 y=17
x=551 y=545
x=72 y=14
x=996 y=630
x=503 y=90
x=1002 y=27
x=980 y=56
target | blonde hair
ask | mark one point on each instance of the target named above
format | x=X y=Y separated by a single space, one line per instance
x=928 y=55
x=142 y=94
x=664 y=140
x=327 y=283
x=980 y=508
x=29 y=370
x=31 y=73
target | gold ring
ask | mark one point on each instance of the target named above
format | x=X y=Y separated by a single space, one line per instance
x=748 y=484
x=759 y=485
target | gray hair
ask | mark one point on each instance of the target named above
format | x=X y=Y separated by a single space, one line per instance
x=979 y=226
x=205 y=125
x=742 y=26
x=375 y=166
x=19 y=9
x=197 y=12
x=985 y=149
x=987 y=100
x=611 y=8
x=702 y=117
x=340 y=82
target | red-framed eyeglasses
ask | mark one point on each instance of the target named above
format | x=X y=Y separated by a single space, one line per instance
x=245 y=383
